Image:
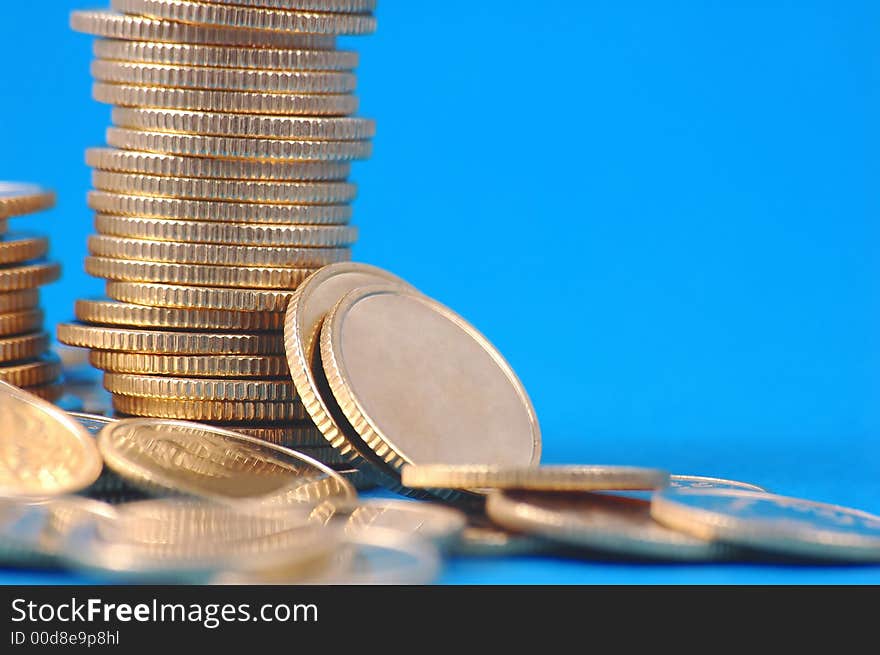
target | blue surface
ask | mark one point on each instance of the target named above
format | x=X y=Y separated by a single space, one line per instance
x=660 y=212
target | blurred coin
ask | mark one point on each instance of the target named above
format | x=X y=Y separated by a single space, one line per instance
x=18 y=248
x=15 y=301
x=168 y=295
x=430 y=521
x=237 y=147
x=790 y=526
x=220 y=411
x=198 y=366
x=149 y=163
x=141 y=28
x=34 y=373
x=159 y=386
x=158 y=341
x=19 y=199
x=111 y=312
x=613 y=524
x=411 y=402
x=28 y=276
x=23 y=347
x=250 y=18
x=687 y=482
x=537 y=478
x=17 y=322
x=482 y=538
x=362 y=479
x=4 y=226
x=334 y=6
x=43 y=452
x=215 y=464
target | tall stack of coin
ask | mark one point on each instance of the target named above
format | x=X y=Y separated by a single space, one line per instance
x=25 y=359
x=223 y=187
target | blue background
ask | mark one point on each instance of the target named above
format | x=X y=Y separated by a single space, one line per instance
x=660 y=213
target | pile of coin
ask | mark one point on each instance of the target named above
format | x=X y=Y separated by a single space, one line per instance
x=223 y=187
x=25 y=358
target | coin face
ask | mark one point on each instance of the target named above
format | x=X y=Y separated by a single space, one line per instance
x=780 y=524
x=415 y=401
x=433 y=522
x=43 y=452
x=616 y=525
x=217 y=464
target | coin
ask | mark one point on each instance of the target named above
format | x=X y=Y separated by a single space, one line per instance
x=16 y=301
x=225 y=147
x=150 y=386
x=431 y=521
x=305 y=313
x=613 y=524
x=167 y=342
x=256 y=18
x=110 y=312
x=292 y=435
x=460 y=404
x=543 y=478
x=234 y=366
x=26 y=320
x=214 y=212
x=247 y=277
x=219 y=465
x=141 y=28
x=235 y=234
x=220 y=79
x=19 y=199
x=208 y=410
x=41 y=371
x=177 y=252
x=335 y=6
x=245 y=125
x=248 y=192
x=482 y=538
x=53 y=393
x=762 y=521
x=23 y=347
x=167 y=295
x=28 y=276
x=149 y=163
x=18 y=248
x=225 y=56
x=688 y=482
x=43 y=452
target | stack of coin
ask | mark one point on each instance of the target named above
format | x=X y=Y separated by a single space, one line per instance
x=223 y=187
x=25 y=359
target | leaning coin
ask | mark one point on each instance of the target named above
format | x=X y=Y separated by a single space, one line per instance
x=43 y=370
x=160 y=386
x=16 y=301
x=536 y=478
x=200 y=366
x=141 y=28
x=23 y=347
x=19 y=199
x=168 y=295
x=18 y=322
x=18 y=248
x=29 y=276
x=149 y=163
x=421 y=346
x=250 y=18
x=215 y=464
x=111 y=312
x=617 y=525
x=43 y=452
x=158 y=341
x=789 y=526
x=237 y=147
x=219 y=411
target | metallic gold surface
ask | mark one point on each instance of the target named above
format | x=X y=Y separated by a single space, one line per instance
x=334 y=6
x=26 y=320
x=28 y=276
x=23 y=347
x=294 y=435
x=431 y=521
x=18 y=199
x=16 y=301
x=17 y=248
x=197 y=366
x=43 y=370
x=209 y=410
x=166 y=295
x=111 y=312
x=179 y=388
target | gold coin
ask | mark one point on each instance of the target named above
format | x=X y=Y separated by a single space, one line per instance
x=16 y=301
x=291 y=436
x=109 y=312
x=23 y=347
x=226 y=147
x=294 y=128
x=148 y=163
x=224 y=56
x=4 y=226
x=28 y=276
x=177 y=252
x=482 y=538
x=309 y=304
x=41 y=371
x=233 y=366
x=246 y=277
x=158 y=341
x=140 y=28
x=245 y=191
x=166 y=295
x=18 y=248
x=222 y=79
x=334 y=6
x=51 y=393
x=536 y=478
x=236 y=102
x=767 y=522
x=250 y=18
x=43 y=452
x=235 y=234
x=177 y=388
x=484 y=415
x=217 y=212
x=208 y=410
x=26 y=320
x=19 y=199
x=215 y=464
